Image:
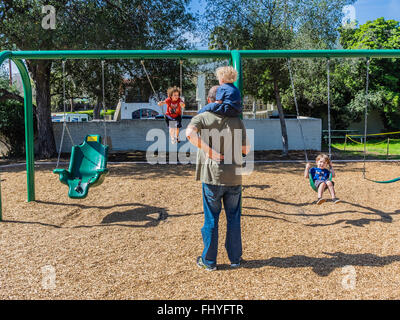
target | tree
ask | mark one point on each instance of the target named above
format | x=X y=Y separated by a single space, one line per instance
x=272 y=24
x=90 y=24
x=11 y=119
x=384 y=81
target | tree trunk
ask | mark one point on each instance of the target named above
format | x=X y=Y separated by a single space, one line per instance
x=40 y=71
x=285 y=143
x=96 y=110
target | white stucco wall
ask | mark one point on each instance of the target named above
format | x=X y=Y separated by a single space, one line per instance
x=268 y=135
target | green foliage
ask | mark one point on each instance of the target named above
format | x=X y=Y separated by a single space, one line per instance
x=310 y=85
x=348 y=79
x=377 y=34
x=85 y=25
x=94 y=24
x=12 y=128
x=136 y=25
x=384 y=73
x=278 y=24
x=90 y=112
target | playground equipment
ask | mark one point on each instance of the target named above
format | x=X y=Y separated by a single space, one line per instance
x=234 y=57
x=329 y=122
x=312 y=184
x=87 y=167
x=310 y=178
x=365 y=131
x=88 y=164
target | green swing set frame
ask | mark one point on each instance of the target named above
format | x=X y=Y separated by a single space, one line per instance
x=234 y=56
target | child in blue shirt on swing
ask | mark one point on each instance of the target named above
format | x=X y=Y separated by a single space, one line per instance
x=228 y=100
x=320 y=176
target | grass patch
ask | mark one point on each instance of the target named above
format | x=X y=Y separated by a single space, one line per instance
x=375 y=149
x=90 y=112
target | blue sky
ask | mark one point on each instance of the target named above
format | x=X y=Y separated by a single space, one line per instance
x=373 y=9
x=364 y=9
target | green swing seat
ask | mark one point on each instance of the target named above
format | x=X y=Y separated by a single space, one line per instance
x=312 y=184
x=87 y=167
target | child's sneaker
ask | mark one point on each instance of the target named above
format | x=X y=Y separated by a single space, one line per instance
x=320 y=201
x=336 y=200
x=201 y=264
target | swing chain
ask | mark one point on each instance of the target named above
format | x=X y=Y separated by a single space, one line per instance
x=180 y=79
x=151 y=84
x=367 y=80
x=329 y=106
x=297 y=108
x=104 y=102
x=180 y=76
x=65 y=126
x=148 y=77
x=366 y=116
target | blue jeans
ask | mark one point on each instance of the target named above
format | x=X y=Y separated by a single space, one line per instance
x=231 y=197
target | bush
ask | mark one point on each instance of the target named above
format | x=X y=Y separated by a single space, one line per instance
x=12 y=127
x=90 y=112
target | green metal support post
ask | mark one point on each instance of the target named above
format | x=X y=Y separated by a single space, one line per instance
x=237 y=65
x=29 y=138
x=3 y=56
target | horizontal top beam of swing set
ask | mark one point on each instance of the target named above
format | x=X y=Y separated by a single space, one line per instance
x=190 y=54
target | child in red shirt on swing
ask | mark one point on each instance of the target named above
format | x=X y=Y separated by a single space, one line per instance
x=173 y=116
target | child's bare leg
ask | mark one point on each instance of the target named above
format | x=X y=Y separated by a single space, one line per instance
x=321 y=189
x=177 y=133
x=331 y=189
x=171 y=133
